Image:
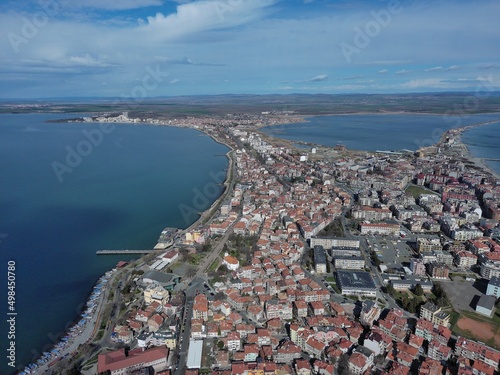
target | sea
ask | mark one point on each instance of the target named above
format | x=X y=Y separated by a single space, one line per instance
x=393 y=132
x=70 y=189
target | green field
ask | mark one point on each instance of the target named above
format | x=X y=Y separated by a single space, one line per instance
x=417 y=190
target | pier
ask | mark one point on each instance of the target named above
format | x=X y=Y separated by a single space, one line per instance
x=123 y=252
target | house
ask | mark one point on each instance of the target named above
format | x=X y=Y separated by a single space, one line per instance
x=155 y=322
x=233 y=341
x=231 y=262
x=287 y=352
x=302 y=367
x=120 y=362
x=251 y=352
x=358 y=363
x=156 y=293
x=370 y=312
x=433 y=313
x=300 y=309
x=200 y=307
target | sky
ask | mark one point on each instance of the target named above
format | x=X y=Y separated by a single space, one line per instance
x=149 y=48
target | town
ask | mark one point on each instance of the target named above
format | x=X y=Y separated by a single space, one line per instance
x=318 y=261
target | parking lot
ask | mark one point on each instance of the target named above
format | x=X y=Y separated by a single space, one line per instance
x=390 y=251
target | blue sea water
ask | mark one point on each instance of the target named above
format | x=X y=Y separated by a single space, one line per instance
x=484 y=142
x=121 y=194
x=371 y=132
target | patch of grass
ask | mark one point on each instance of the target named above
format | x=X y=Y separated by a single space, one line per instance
x=99 y=335
x=213 y=266
x=195 y=259
x=417 y=190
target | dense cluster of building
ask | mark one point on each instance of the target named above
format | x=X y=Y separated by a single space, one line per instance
x=277 y=319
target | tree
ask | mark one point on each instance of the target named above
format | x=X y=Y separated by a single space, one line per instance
x=390 y=289
x=220 y=344
x=418 y=290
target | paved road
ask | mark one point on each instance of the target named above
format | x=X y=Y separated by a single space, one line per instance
x=205 y=264
x=183 y=343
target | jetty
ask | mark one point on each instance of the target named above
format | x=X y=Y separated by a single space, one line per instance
x=121 y=252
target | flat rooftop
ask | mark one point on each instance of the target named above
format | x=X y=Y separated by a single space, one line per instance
x=194 y=354
x=358 y=279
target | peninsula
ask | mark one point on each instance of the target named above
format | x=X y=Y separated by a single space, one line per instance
x=318 y=260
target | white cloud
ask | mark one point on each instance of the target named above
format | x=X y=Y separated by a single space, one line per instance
x=86 y=60
x=440 y=68
x=185 y=61
x=435 y=69
x=403 y=71
x=383 y=71
x=318 y=78
x=204 y=16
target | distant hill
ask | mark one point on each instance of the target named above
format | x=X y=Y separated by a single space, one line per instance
x=458 y=103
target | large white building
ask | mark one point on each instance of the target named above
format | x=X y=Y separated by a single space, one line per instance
x=349 y=262
x=356 y=283
x=379 y=228
x=231 y=262
x=329 y=242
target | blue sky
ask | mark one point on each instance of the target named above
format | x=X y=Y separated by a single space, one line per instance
x=148 y=48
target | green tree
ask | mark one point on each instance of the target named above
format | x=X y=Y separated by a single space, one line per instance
x=390 y=289
x=418 y=290
x=220 y=344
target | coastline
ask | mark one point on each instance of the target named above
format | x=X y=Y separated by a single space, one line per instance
x=227 y=184
x=229 y=179
x=455 y=136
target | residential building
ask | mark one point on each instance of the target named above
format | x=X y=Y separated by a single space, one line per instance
x=417 y=266
x=434 y=314
x=156 y=292
x=319 y=259
x=493 y=288
x=200 y=307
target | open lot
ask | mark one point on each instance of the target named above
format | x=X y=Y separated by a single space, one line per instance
x=461 y=293
x=488 y=333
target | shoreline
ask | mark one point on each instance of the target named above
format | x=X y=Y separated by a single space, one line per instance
x=227 y=183
x=229 y=179
x=479 y=162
